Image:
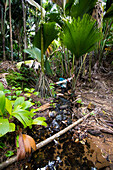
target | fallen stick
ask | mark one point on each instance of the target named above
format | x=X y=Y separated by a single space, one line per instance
x=45 y=142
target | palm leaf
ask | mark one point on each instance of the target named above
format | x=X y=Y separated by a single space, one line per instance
x=81 y=35
x=50 y=32
x=109 y=13
x=82 y=7
x=34 y=53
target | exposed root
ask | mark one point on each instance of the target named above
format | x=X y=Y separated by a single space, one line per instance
x=43 y=86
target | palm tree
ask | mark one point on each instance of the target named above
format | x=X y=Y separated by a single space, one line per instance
x=80 y=36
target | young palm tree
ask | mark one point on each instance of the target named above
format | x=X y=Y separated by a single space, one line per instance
x=80 y=35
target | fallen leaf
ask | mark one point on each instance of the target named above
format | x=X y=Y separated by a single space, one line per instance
x=43 y=107
x=26 y=143
x=29 y=143
x=21 y=150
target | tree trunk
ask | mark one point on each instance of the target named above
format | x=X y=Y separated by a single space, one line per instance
x=24 y=25
x=11 y=40
x=3 y=31
x=42 y=43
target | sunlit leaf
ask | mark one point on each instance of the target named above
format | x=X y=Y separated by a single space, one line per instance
x=27 y=104
x=34 y=53
x=1 y=87
x=19 y=101
x=18 y=92
x=40 y=121
x=8 y=106
x=11 y=127
x=4 y=126
x=9 y=153
x=27 y=94
x=24 y=116
x=2 y=102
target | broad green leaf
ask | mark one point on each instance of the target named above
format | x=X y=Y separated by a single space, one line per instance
x=7 y=91
x=4 y=126
x=24 y=116
x=26 y=89
x=50 y=32
x=9 y=153
x=31 y=90
x=34 y=53
x=19 y=101
x=18 y=92
x=11 y=127
x=39 y=121
x=8 y=106
x=27 y=104
x=2 y=102
x=36 y=93
x=27 y=94
x=1 y=87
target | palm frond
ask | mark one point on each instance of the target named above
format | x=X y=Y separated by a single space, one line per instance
x=80 y=35
x=50 y=32
x=81 y=7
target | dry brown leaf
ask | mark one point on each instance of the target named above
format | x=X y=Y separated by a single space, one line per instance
x=21 y=150
x=44 y=107
x=29 y=143
x=26 y=143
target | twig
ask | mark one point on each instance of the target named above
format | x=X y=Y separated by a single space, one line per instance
x=45 y=142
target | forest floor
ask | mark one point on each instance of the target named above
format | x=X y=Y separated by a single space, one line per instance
x=94 y=135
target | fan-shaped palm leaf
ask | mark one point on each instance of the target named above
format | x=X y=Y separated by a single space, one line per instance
x=81 y=7
x=50 y=32
x=81 y=35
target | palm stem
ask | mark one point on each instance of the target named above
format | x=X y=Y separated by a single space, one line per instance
x=79 y=71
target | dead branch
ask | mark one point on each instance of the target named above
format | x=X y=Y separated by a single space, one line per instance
x=45 y=142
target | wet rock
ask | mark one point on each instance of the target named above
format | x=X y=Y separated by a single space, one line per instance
x=55 y=125
x=69 y=121
x=64 y=117
x=52 y=114
x=59 y=118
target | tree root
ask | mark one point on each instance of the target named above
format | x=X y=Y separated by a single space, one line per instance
x=43 y=86
x=45 y=142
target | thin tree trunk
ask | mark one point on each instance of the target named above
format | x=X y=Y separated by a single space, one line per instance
x=3 y=31
x=11 y=40
x=24 y=25
x=90 y=62
x=42 y=43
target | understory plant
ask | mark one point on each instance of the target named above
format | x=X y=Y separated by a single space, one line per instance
x=18 y=109
x=80 y=36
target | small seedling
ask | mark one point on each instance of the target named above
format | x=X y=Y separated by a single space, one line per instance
x=9 y=153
